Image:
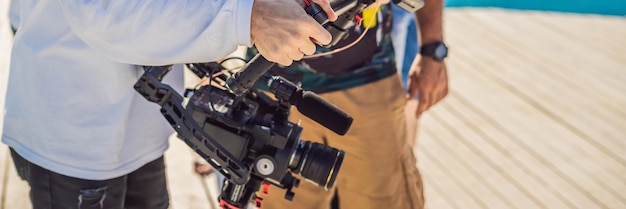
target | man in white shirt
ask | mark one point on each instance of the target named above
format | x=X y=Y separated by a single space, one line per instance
x=79 y=133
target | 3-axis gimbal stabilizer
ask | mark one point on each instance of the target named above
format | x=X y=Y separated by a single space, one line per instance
x=244 y=133
x=248 y=138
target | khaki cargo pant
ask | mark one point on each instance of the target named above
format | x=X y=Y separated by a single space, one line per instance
x=379 y=169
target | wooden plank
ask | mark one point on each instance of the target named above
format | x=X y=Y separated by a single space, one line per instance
x=508 y=158
x=601 y=33
x=472 y=56
x=500 y=160
x=592 y=40
x=582 y=54
x=533 y=83
x=503 y=184
x=567 y=108
x=501 y=115
x=536 y=156
x=437 y=192
x=525 y=44
x=536 y=59
x=457 y=194
x=473 y=172
x=533 y=45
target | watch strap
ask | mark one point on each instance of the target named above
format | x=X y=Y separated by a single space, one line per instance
x=430 y=48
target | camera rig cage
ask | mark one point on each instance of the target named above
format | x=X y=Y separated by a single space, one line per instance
x=244 y=133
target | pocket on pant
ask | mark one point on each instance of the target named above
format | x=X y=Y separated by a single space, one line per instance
x=382 y=186
x=92 y=198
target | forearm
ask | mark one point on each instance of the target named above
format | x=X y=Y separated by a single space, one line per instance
x=429 y=80
x=430 y=21
x=160 y=32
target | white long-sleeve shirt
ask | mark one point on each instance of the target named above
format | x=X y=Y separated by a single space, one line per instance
x=71 y=107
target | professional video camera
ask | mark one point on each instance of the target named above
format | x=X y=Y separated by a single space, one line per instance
x=248 y=138
x=244 y=133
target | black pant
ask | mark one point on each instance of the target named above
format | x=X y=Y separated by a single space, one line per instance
x=144 y=188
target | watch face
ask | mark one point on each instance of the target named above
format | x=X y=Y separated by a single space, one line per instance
x=436 y=50
x=441 y=52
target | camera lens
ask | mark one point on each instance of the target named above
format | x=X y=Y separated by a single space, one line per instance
x=317 y=163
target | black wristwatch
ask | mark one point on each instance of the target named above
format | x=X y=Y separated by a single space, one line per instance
x=436 y=50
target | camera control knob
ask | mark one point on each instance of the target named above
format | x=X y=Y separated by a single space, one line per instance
x=265 y=166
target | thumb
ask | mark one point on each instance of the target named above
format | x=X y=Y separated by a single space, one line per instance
x=412 y=88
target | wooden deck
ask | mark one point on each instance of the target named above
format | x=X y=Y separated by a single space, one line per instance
x=536 y=118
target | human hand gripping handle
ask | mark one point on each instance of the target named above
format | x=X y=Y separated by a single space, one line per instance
x=283 y=32
x=309 y=104
x=282 y=38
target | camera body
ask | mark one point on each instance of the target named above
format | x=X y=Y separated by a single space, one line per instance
x=245 y=127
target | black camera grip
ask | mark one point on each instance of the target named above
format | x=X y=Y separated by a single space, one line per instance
x=243 y=80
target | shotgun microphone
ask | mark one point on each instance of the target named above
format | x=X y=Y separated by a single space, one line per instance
x=324 y=113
